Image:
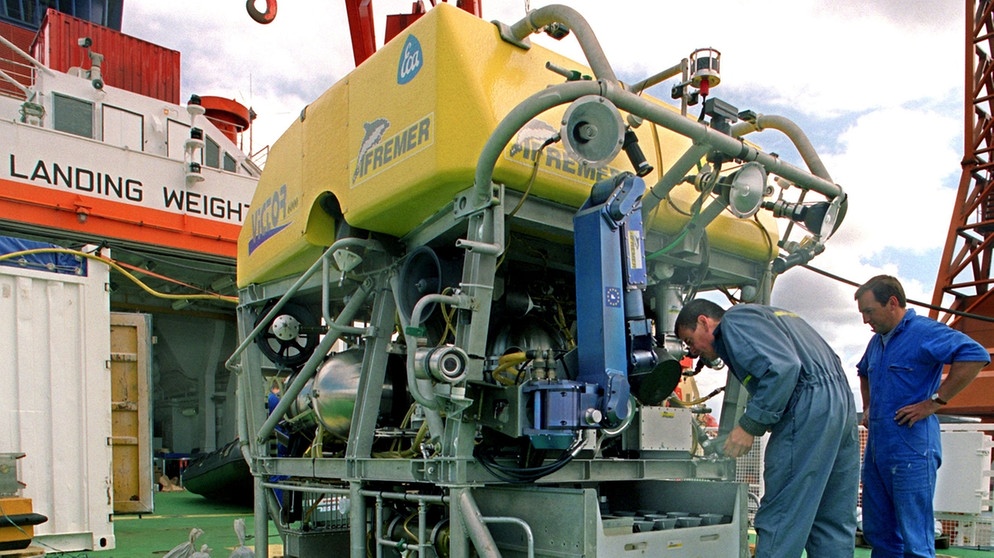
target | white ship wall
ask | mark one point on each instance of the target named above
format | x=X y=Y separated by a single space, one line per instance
x=67 y=163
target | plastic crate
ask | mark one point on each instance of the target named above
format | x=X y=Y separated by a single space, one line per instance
x=968 y=530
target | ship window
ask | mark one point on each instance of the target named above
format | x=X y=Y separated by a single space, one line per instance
x=212 y=154
x=229 y=163
x=30 y=12
x=20 y=11
x=123 y=128
x=12 y=9
x=176 y=136
x=72 y=115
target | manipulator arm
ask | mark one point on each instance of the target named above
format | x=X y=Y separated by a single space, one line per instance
x=614 y=336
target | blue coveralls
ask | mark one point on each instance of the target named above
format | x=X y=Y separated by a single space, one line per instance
x=900 y=463
x=799 y=392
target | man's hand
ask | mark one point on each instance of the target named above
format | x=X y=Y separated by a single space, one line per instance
x=739 y=442
x=910 y=414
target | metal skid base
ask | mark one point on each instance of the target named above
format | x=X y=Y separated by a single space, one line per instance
x=600 y=522
x=606 y=519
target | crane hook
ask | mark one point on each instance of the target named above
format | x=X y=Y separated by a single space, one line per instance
x=262 y=17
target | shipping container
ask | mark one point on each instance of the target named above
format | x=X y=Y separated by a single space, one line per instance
x=128 y=63
x=55 y=338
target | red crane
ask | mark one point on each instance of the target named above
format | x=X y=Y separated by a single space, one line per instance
x=963 y=284
x=361 y=25
x=363 y=33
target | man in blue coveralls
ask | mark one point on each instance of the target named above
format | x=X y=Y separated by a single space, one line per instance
x=900 y=376
x=799 y=393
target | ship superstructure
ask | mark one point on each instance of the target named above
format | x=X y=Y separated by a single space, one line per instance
x=101 y=162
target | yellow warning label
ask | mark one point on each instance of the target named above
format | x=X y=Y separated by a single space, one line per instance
x=635 y=250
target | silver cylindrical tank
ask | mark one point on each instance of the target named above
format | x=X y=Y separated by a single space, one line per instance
x=332 y=392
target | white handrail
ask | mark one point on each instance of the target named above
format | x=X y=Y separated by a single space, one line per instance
x=34 y=62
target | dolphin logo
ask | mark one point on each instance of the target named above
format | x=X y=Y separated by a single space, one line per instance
x=374 y=133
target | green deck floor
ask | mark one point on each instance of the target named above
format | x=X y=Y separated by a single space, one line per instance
x=176 y=513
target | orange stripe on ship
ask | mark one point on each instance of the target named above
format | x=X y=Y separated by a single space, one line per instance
x=49 y=208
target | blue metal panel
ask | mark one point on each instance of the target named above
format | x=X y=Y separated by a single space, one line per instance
x=56 y=262
x=610 y=270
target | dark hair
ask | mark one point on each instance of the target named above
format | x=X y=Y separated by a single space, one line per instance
x=697 y=307
x=883 y=287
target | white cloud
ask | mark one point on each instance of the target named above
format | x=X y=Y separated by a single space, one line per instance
x=819 y=58
x=900 y=167
x=813 y=58
x=276 y=69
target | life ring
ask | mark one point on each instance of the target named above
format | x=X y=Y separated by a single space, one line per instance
x=262 y=17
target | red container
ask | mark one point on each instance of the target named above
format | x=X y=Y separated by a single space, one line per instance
x=129 y=63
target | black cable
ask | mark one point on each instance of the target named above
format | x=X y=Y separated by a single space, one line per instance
x=915 y=302
x=187 y=264
x=534 y=174
x=519 y=475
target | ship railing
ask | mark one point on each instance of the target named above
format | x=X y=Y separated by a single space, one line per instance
x=18 y=72
x=260 y=157
x=13 y=77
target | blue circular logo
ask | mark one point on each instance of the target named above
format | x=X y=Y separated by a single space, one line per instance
x=411 y=60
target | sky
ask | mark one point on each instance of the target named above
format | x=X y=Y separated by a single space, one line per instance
x=876 y=86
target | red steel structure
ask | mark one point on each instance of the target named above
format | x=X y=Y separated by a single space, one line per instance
x=362 y=28
x=964 y=281
x=361 y=25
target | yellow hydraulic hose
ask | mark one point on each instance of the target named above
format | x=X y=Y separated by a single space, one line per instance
x=122 y=271
x=508 y=361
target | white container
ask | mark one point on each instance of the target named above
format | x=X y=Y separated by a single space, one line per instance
x=55 y=342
